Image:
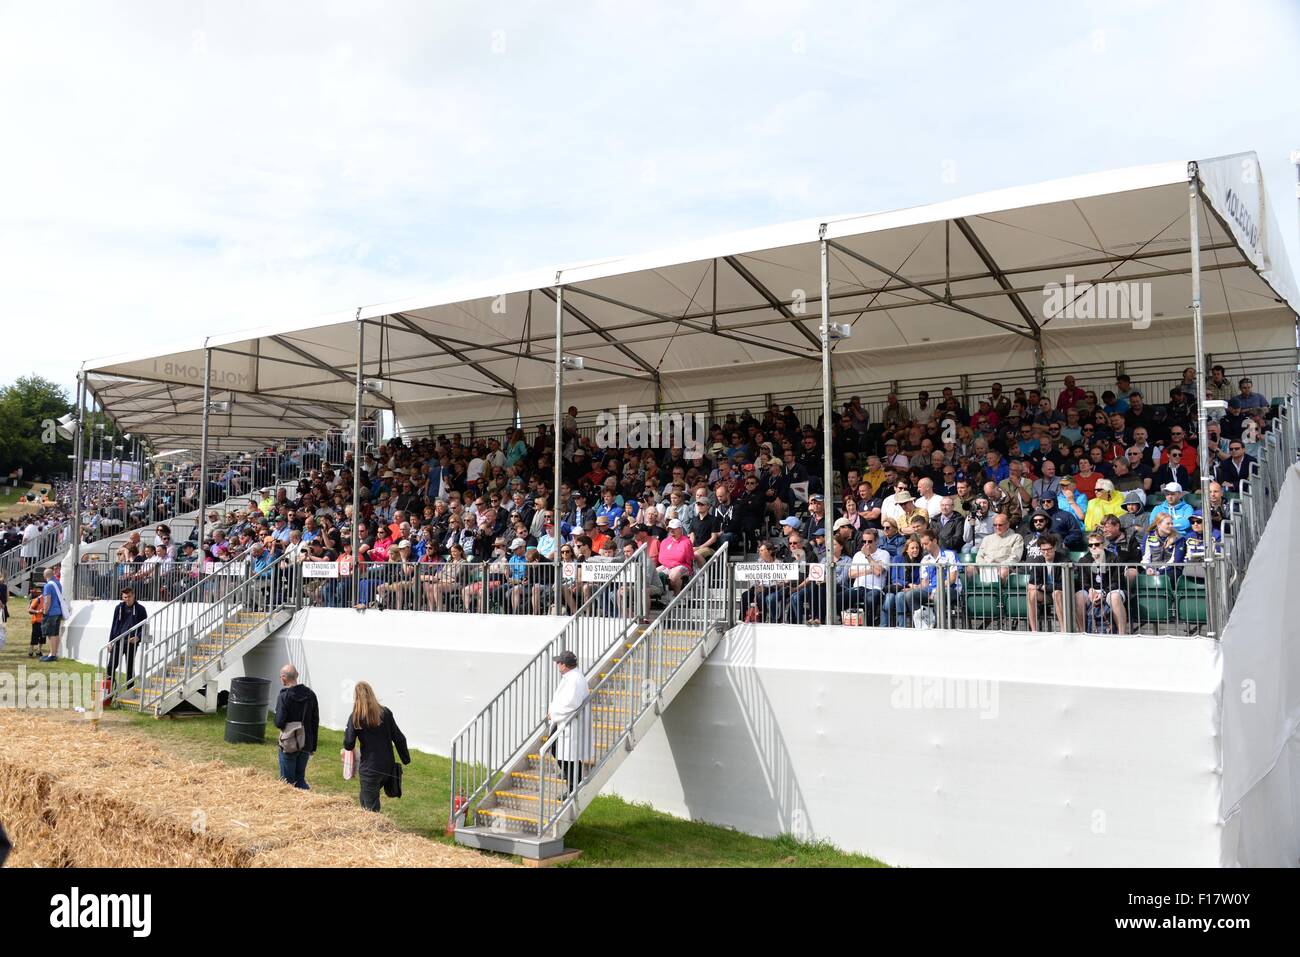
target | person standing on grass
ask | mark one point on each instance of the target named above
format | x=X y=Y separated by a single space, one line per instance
x=35 y=609
x=4 y=612
x=374 y=727
x=52 y=608
x=297 y=715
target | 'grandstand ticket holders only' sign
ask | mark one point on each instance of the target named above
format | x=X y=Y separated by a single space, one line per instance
x=766 y=573
x=320 y=570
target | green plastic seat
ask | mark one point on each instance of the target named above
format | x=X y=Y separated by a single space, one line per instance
x=1076 y=557
x=1154 y=601
x=1192 y=499
x=1192 y=610
x=1188 y=586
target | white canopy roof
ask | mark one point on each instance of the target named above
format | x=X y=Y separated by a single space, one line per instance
x=957 y=284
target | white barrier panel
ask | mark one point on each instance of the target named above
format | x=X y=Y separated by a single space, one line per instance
x=1261 y=699
x=919 y=747
x=436 y=671
x=928 y=748
x=320 y=570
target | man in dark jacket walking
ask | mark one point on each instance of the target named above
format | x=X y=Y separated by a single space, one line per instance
x=296 y=704
x=126 y=616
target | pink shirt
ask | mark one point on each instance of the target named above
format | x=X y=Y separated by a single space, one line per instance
x=676 y=552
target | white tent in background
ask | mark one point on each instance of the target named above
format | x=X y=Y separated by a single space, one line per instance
x=935 y=292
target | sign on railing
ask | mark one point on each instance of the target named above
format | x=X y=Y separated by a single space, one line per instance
x=762 y=572
x=320 y=570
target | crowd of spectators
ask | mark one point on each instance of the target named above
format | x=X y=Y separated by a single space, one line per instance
x=1023 y=477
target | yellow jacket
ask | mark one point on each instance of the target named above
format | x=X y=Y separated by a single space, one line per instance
x=1099 y=508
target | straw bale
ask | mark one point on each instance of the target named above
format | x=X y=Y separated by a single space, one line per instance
x=73 y=794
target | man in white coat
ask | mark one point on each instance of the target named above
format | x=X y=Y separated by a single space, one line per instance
x=572 y=745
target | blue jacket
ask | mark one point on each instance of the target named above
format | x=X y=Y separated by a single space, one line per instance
x=1181 y=513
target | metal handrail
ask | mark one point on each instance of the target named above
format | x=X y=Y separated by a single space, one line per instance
x=494 y=737
x=702 y=603
x=246 y=596
x=210 y=602
x=49 y=544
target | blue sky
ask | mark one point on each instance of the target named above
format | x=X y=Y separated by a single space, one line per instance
x=176 y=169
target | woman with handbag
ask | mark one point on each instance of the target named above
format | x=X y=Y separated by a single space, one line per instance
x=374 y=727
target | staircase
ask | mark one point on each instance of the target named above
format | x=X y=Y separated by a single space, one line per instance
x=49 y=548
x=522 y=804
x=198 y=635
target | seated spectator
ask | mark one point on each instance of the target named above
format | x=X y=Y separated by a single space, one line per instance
x=1174 y=471
x=1100 y=598
x=676 y=557
x=1002 y=547
x=1121 y=546
x=1046 y=579
x=891 y=539
x=868 y=577
x=1179 y=512
x=1107 y=500
x=1163 y=549
x=906 y=585
x=1196 y=544
x=949 y=525
x=1247 y=397
x=1132 y=522
x=979 y=523
x=1233 y=472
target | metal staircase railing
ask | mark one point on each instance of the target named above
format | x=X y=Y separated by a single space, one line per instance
x=198 y=626
x=46 y=547
x=500 y=732
x=634 y=686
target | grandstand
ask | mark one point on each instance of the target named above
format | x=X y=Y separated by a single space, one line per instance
x=997 y=692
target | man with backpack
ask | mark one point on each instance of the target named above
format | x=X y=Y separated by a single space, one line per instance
x=298 y=718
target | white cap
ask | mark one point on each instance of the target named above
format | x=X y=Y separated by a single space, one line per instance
x=674 y=523
x=517 y=543
x=1172 y=487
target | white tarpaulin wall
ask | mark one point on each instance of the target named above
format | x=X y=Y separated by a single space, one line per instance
x=1261 y=699
x=1036 y=750
x=955 y=287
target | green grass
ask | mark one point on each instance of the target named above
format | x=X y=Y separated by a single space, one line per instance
x=14 y=654
x=9 y=495
x=611 y=833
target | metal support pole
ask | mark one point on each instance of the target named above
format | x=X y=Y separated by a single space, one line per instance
x=1212 y=611
x=356 y=462
x=203 y=445
x=828 y=497
x=558 y=436
x=75 y=544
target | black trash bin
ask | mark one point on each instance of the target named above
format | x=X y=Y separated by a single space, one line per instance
x=246 y=710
